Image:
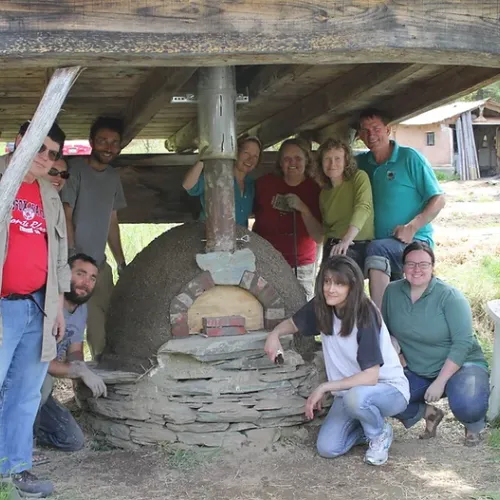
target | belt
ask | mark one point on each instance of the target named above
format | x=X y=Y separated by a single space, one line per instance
x=25 y=296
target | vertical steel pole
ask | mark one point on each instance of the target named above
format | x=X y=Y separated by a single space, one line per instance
x=217 y=132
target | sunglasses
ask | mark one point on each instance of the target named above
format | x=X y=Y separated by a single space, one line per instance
x=53 y=155
x=54 y=173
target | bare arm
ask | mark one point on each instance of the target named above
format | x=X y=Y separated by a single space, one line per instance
x=61 y=369
x=192 y=175
x=314 y=228
x=429 y=213
x=70 y=228
x=114 y=240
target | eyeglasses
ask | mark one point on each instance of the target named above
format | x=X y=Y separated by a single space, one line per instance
x=54 y=173
x=53 y=155
x=421 y=265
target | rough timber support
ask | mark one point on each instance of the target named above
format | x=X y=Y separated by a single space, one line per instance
x=217 y=131
x=45 y=115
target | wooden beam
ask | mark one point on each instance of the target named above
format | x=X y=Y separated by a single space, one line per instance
x=252 y=32
x=336 y=98
x=265 y=84
x=42 y=121
x=156 y=91
x=418 y=97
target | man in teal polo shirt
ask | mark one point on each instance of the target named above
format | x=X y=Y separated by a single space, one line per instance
x=406 y=198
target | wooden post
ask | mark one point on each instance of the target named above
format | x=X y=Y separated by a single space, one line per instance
x=217 y=131
x=493 y=308
x=45 y=115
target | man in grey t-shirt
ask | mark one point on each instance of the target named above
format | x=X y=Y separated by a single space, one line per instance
x=91 y=197
x=55 y=426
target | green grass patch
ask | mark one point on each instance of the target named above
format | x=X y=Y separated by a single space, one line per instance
x=446 y=177
x=494 y=435
x=486 y=495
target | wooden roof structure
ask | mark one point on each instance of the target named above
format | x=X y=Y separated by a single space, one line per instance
x=306 y=67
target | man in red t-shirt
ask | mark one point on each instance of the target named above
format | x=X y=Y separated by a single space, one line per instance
x=33 y=279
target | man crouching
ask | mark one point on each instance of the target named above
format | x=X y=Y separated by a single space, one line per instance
x=55 y=426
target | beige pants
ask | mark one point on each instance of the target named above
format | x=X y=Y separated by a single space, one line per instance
x=98 y=309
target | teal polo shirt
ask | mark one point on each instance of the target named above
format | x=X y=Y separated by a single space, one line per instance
x=243 y=204
x=401 y=187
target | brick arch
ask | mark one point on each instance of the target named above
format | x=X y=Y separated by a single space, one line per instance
x=272 y=304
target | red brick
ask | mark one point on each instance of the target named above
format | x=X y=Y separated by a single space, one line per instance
x=180 y=330
x=247 y=279
x=221 y=321
x=177 y=318
x=176 y=306
x=268 y=296
x=225 y=331
x=199 y=285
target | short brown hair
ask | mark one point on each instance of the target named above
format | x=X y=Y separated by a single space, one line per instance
x=350 y=166
x=372 y=113
x=419 y=245
x=304 y=147
x=250 y=138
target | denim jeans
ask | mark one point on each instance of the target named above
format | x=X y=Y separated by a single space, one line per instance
x=21 y=378
x=385 y=255
x=356 y=416
x=306 y=278
x=467 y=391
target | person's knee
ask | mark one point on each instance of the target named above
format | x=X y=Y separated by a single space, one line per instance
x=468 y=397
x=327 y=450
x=75 y=440
x=354 y=401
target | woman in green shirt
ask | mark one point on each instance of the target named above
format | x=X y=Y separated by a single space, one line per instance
x=432 y=323
x=345 y=202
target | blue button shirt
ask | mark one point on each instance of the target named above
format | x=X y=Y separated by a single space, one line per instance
x=243 y=203
x=401 y=187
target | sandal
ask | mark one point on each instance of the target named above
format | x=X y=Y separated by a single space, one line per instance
x=39 y=458
x=435 y=419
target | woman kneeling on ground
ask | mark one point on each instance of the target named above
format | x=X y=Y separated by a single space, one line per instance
x=363 y=369
x=345 y=202
x=432 y=322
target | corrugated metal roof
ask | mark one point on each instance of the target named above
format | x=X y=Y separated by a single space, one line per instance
x=445 y=112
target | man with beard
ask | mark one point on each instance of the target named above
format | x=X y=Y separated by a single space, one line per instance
x=91 y=197
x=55 y=426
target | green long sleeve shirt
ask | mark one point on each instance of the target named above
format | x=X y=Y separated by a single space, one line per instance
x=438 y=326
x=349 y=204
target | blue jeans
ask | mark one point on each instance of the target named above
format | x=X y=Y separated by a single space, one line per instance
x=21 y=378
x=467 y=391
x=385 y=255
x=356 y=416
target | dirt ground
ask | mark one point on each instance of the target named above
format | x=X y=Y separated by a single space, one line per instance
x=441 y=468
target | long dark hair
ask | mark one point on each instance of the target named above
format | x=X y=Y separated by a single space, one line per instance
x=358 y=309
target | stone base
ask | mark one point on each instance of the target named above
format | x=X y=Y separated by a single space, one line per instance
x=215 y=392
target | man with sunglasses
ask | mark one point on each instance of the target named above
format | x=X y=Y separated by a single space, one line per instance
x=92 y=197
x=33 y=279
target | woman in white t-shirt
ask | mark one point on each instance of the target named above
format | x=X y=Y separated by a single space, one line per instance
x=363 y=369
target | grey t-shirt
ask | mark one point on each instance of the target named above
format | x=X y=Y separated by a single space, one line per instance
x=93 y=195
x=75 y=329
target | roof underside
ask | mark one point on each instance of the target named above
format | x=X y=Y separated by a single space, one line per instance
x=314 y=100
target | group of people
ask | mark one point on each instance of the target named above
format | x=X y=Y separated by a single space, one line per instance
x=392 y=355
x=412 y=342
x=55 y=283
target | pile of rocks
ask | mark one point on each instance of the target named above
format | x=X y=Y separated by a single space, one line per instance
x=217 y=392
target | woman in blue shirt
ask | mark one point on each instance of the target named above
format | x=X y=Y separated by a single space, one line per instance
x=249 y=154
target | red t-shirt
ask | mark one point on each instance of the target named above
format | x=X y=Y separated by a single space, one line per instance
x=277 y=227
x=25 y=267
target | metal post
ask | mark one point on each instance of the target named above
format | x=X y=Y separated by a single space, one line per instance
x=217 y=132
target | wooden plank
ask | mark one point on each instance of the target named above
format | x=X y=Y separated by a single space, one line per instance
x=151 y=97
x=418 y=97
x=333 y=99
x=41 y=123
x=252 y=32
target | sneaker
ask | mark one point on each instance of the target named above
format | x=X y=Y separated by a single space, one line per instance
x=29 y=486
x=378 y=450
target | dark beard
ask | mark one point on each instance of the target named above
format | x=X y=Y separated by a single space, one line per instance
x=97 y=156
x=76 y=299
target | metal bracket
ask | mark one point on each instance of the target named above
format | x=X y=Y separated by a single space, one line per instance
x=193 y=99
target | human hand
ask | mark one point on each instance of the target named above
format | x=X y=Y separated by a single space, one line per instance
x=340 y=248
x=296 y=203
x=79 y=369
x=59 y=328
x=272 y=346
x=121 y=267
x=435 y=391
x=314 y=402
x=404 y=233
